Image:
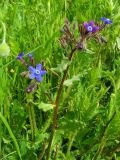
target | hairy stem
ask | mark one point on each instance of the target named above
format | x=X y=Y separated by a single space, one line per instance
x=32 y=121
x=71 y=139
x=43 y=151
x=57 y=104
x=55 y=156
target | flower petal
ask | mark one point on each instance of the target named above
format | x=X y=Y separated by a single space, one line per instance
x=39 y=67
x=85 y=24
x=20 y=55
x=43 y=72
x=106 y=20
x=95 y=28
x=32 y=76
x=31 y=69
x=110 y=22
x=91 y=23
x=39 y=78
x=103 y=18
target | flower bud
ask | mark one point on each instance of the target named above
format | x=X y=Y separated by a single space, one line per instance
x=4 y=49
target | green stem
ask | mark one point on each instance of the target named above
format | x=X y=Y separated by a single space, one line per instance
x=56 y=152
x=32 y=120
x=71 y=139
x=103 y=139
x=4 y=32
x=43 y=151
x=8 y=155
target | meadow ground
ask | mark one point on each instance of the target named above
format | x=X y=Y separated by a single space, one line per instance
x=88 y=124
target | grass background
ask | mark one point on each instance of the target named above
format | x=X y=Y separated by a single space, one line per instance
x=88 y=128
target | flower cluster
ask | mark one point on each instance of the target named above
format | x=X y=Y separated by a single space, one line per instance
x=33 y=72
x=86 y=31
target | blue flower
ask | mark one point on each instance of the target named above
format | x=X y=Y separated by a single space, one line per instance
x=37 y=72
x=106 y=20
x=90 y=27
x=20 y=56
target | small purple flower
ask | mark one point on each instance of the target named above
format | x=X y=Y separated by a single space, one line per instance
x=20 y=56
x=37 y=72
x=106 y=20
x=90 y=27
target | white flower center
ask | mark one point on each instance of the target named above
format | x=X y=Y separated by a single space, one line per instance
x=90 y=28
x=37 y=71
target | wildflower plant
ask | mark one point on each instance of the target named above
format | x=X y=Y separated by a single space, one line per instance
x=60 y=98
x=72 y=43
x=86 y=31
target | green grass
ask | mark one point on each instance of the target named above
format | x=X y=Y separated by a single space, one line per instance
x=89 y=109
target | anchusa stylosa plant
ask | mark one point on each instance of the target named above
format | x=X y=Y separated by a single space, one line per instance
x=73 y=39
x=75 y=42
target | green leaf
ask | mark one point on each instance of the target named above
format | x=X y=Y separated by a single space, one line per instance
x=6 y=141
x=45 y=107
x=69 y=82
x=11 y=134
x=118 y=42
x=61 y=67
x=114 y=130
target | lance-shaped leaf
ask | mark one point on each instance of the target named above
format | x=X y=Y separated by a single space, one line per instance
x=118 y=43
x=69 y=82
x=45 y=106
x=61 y=67
x=11 y=134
